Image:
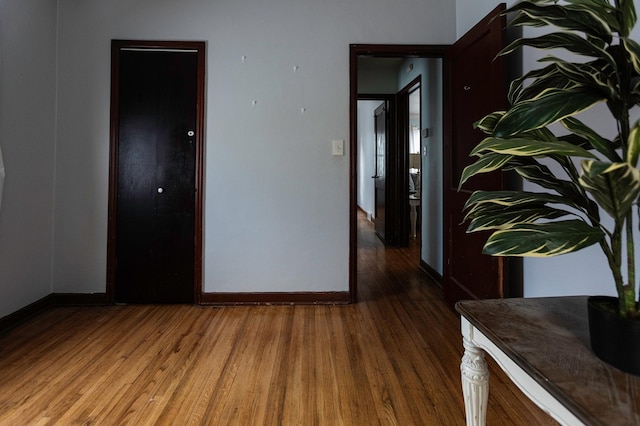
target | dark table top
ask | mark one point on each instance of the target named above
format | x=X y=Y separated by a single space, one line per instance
x=549 y=339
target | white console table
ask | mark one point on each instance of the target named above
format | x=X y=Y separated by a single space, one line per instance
x=543 y=346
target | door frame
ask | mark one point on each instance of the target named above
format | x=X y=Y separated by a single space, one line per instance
x=192 y=46
x=382 y=51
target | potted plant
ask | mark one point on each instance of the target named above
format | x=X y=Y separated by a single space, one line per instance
x=582 y=176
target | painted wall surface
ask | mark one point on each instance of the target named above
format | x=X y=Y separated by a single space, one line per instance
x=27 y=129
x=433 y=160
x=432 y=118
x=377 y=76
x=366 y=156
x=584 y=272
x=276 y=200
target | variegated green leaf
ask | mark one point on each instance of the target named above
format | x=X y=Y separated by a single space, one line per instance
x=635 y=92
x=633 y=49
x=614 y=186
x=508 y=218
x=487 y=123
x=525 y=147
x=591 y=3
x=584 y=20
x=628 y=17
x=633 y=145
x=569 y=190
x=485 y=164
x=535 y=77
x=554 y=80
x=568 y=41
x=602 y=8
x=599 y=143
x=480 y=201
x=582 y=74
x=551 y=106
x=543 y=239
x=541 y=134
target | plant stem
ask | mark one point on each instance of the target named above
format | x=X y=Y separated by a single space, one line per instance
x=630 y=293
x=616 y=263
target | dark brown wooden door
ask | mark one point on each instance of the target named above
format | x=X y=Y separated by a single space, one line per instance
x=155 y=221
x=381 y=119
x=475 y=88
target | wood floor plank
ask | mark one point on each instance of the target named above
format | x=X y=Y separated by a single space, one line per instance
x=391 y=359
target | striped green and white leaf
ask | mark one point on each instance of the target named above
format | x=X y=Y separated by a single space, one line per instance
x=485 y=164
x=562 y=40
x=551 y=106
x=601 y=8
x=633 y=145
x=526 y=147
x=543 y=239
x=614 y=186
x=584 y=20
x=628 y=14
x=508 y=218
x=538 y=80
x=600 y=144
x=633 y=49
x=488 y=122
x=483 y=202
x=587 y=75
x=534 y=172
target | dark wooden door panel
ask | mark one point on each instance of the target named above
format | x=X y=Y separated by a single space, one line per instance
x=476 y=87
x=381 y=119
x=156 y=176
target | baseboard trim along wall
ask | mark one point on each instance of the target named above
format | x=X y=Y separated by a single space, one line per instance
x=50 y=301
x=295 y=298
x=432 y=273
x=100 y=299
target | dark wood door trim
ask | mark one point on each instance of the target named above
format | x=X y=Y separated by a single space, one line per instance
x=355 y=51
x=200 y=48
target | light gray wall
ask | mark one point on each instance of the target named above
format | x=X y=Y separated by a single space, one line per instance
x=366 y=156
x=276 y=209
x=27 y=129
x=432 y=196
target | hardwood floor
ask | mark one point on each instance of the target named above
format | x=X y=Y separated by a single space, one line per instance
x=391 y=359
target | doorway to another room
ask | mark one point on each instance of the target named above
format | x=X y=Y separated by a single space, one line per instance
x=406 y=83
x=459 y=85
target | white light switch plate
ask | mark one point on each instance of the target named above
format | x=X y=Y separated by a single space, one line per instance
x=337 y=147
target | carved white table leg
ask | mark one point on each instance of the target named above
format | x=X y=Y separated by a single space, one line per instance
x=475 y=383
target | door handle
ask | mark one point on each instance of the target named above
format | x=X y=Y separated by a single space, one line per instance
x=160 y=190
x=375 y=177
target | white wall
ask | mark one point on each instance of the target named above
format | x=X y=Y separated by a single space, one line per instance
x=27 y=117
x=584 y=272
x=276 y=210
x=366 y=156
x=432 y=195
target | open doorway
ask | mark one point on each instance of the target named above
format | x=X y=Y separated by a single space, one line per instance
x=472 y=84
x=408 y=75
